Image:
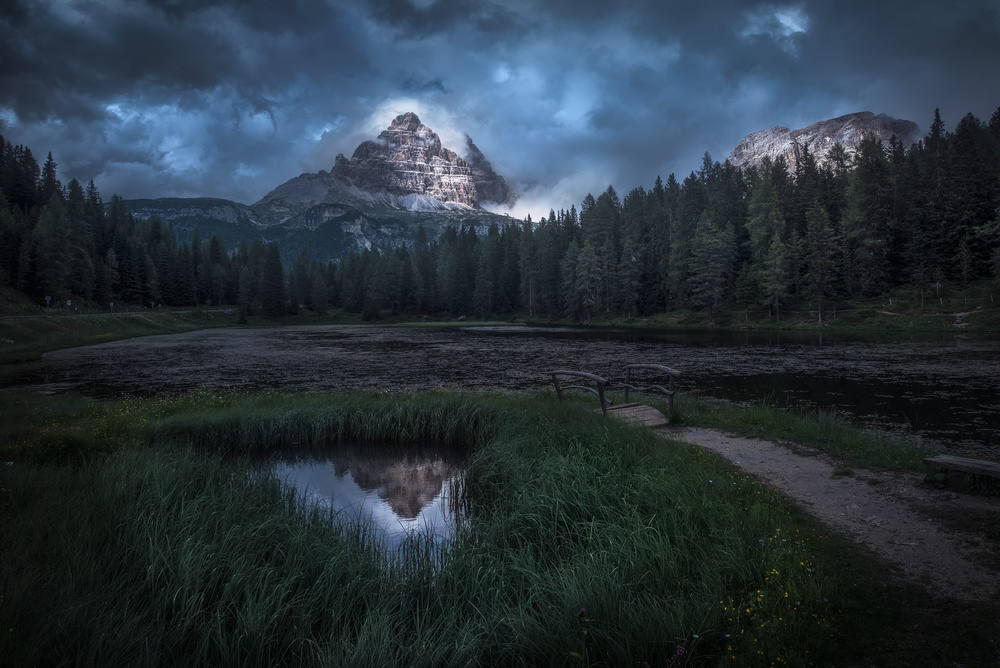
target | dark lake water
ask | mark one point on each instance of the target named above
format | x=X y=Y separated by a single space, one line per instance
x=941 y=387
x=399 y=491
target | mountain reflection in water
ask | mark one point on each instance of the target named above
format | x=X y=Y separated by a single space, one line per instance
x=400 y=488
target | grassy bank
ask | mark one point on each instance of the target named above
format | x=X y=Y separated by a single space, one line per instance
x=823 y=430
x=972 y=308
x=27 y=331
x=132 y=534
x=27 y=338
x=23 y=339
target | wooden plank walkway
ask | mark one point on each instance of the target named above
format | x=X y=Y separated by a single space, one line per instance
x=639 y=414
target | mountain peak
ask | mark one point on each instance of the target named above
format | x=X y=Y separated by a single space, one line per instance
x=407 y=167
x=407 y=160
x=821 y=137
x=408 y=122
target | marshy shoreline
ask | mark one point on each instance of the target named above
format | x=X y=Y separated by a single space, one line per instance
x=591 y=542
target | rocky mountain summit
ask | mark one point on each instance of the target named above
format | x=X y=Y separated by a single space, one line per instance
x=406 y=167
x=392 y=185
x=821 y=137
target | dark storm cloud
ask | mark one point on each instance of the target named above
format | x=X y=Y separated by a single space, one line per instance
x=70 y=62
x=413 y=21
x=422 y=86
x=232 y=97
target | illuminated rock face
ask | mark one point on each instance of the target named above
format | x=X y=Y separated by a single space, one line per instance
x=821 y=137
x=393 y=186
x=405 y=167
x=408 y=159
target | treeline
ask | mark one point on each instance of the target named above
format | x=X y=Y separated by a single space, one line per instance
x=766 y=237
x=64 y=242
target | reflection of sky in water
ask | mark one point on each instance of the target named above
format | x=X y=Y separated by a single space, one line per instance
x=330 y=484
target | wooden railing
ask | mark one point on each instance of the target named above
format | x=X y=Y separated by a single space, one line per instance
x=630 y=384
x=669 y=391
x=598 y=389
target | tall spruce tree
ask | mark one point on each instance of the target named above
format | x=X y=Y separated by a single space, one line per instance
x=713 y=252
x=272 y=286
x=53 y=251
x=820 y=245
x=775 y=279
x=869 y=227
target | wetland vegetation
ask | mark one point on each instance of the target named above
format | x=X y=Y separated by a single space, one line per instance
x=937 y=387
x=133 y=530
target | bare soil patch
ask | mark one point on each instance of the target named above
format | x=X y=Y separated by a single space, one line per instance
x=944 y=541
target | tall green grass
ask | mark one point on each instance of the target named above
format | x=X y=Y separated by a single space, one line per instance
x=824 y=430
x=589 y=542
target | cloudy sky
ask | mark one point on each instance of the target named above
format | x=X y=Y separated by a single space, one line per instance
x=229 y=98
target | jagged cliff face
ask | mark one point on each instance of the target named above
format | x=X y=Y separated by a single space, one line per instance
x=408 y=159
x=405 y=167
x=490 y=186
x=820 y=138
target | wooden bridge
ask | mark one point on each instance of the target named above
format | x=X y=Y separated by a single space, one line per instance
x=631 y=412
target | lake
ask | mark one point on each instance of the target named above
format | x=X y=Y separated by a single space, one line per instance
x=941 y=387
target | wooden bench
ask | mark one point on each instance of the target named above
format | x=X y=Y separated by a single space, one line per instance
x=963 y=467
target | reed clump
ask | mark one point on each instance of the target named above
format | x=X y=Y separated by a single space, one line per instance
x=588 y=542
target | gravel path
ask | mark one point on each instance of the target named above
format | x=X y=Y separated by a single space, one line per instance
x=912 y=525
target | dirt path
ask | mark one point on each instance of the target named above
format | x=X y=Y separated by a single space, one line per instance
x=936 y=538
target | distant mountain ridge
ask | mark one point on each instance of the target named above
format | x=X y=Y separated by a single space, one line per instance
x=404 y=179
x=820 y=138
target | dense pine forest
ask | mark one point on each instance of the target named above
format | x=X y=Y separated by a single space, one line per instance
x=771 y=237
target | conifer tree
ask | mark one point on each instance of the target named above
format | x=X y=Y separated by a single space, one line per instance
x=588 y=279
x=713 y=252
x=775 y=279
x=629 y=278
x=869 y=227
x=245 y=297
x=52 y=250
x=107 y=278
x=569 y=293
x=318 y=303
x=300 y=278
x=49 y=185
x=274 y=303
x=691 y=203
x=184 y=288
x=820 y=248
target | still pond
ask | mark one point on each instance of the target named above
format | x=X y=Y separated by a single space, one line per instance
x=398 y=492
